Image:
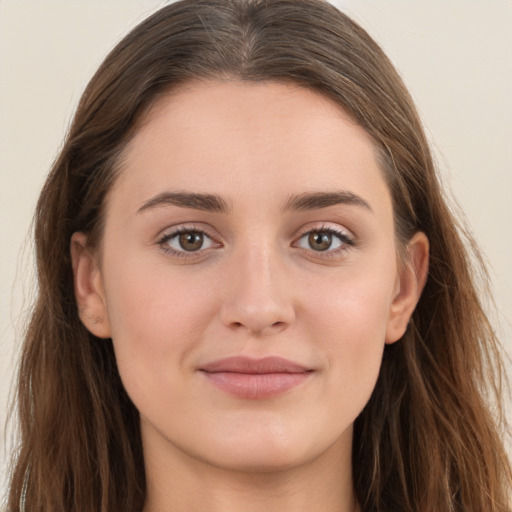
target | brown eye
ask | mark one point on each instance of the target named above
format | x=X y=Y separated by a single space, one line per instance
x=191 y=241
x=185 y=241
x=330 y=241
x=320 y=240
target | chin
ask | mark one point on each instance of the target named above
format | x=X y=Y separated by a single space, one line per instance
x=262 y=459
x=274 y=449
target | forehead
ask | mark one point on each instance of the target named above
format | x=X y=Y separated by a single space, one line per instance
x=234 y=137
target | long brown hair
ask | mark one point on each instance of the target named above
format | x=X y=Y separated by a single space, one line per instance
x=429 y=438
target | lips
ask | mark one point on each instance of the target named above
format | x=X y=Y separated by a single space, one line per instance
x=254 y=379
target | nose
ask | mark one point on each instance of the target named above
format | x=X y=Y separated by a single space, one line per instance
x=259 y=294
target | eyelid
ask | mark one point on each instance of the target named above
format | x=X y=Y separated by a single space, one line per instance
x=344 y=235
x=174 y=231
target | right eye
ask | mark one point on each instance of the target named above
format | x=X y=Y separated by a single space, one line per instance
x=182 y=242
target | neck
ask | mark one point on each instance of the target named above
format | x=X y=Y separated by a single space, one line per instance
x=178 y=483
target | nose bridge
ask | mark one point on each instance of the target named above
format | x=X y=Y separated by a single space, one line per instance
x=259 y=268
x=259 y=298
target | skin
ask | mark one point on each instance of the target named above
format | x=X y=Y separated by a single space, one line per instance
x=256 y=287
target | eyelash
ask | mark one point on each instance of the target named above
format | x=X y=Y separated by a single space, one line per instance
x=346 y=240
x=163 y=241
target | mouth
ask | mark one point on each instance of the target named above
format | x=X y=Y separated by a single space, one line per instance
x=255 y=379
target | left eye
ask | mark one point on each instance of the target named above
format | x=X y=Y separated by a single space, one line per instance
x=323 y=240
x=188 y=241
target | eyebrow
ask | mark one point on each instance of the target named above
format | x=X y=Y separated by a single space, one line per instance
x=317 y=200
x=204 y=202
x=214 y=203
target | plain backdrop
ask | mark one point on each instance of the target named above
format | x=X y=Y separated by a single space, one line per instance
x=455 y=56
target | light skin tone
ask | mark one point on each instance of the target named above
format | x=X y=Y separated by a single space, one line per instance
x=285 y=247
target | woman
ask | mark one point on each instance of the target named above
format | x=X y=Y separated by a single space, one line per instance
x=252 y=293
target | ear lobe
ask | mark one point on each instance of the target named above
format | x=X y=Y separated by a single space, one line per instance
x=89 y=292
x=409 y=287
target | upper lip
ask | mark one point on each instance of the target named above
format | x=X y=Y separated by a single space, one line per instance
x=244 y=364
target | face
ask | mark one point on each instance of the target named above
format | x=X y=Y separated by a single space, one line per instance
x=248 y=275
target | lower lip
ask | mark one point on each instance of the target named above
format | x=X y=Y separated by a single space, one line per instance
x=256 y=386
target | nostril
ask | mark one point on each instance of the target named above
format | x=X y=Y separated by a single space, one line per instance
x=260 y=329
x=257 y=316
x=275 y=328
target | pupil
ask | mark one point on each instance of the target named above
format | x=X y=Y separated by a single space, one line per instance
x=191 y=241
x=320 y=241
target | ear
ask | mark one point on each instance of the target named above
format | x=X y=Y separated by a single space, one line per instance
x=89 y=293
x=410 y=283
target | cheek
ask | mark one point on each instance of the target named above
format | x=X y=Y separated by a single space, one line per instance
x=156 y=320
x=354 y=305
x=142 y=307
x=354 y=312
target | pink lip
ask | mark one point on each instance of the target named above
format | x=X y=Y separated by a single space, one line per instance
x=255 y=379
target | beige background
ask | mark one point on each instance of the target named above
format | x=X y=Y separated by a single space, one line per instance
x=455 y=55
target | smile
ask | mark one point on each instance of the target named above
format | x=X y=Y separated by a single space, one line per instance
x=255 y=379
